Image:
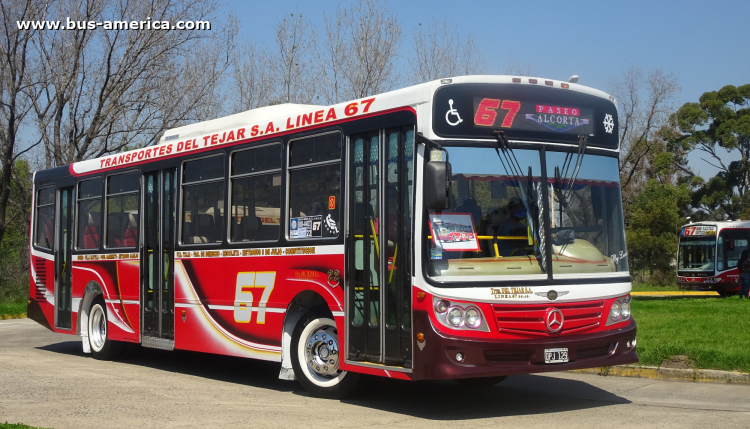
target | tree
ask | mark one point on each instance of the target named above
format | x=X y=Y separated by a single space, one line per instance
x=357 y=56
x=439 y=51
x=14 y=263
x=15 y=104
x=652 y=233
x=721 y=119
x=645 y=103
x=100 y=91
x=252 y=82
x=292 y=62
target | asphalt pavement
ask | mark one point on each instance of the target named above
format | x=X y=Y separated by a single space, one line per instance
x=46 y=380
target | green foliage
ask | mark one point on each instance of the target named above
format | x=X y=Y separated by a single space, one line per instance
x=12 y=310
x=14 y=248
x=712 y=333
x=7 y=425
x=652 y=233
x=720 y=119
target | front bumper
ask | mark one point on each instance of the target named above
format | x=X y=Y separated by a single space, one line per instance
x=486 y=358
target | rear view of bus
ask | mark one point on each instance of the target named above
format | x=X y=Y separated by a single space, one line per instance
x=543 y=285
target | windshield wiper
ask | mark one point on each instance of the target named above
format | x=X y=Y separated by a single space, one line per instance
x=526 y=190
x=565 y=190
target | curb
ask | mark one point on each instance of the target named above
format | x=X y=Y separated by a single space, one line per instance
x=674 y=374
x=12 y=316
x=674 y=294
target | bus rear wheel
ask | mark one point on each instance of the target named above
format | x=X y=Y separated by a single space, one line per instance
x=102 y=347
x=316 y=357
x=480 y=382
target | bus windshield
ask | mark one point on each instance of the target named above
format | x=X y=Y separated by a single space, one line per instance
x=496 y=223
x=697 y=253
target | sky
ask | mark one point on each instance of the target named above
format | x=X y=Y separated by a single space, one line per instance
x=706 y=44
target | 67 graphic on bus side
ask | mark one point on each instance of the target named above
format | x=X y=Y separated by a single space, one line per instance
x=243 y=298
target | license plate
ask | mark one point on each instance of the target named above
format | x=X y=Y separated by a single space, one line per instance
x=555 y=355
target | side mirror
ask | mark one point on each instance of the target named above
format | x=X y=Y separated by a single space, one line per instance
x=730 y=245
x=437 y=185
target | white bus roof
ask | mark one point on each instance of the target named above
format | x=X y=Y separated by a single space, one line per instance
x=266 y=122
x=739 y=223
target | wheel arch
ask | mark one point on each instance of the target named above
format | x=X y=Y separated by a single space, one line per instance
x=307 y=300
x=91 y=292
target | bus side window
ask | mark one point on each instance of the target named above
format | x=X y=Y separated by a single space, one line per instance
x=315 y=187
x=256 y=194
x=122 y=209
x=89 y=214
x=45 y=218
x=203 y=200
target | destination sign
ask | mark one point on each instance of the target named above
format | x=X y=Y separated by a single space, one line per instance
x=698 y=230
x=524 y=112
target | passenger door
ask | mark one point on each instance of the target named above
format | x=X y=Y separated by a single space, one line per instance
x=379 y=247
x=157 y=259
x=63 y=259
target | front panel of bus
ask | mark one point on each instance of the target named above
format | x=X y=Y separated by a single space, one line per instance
x=538 y=280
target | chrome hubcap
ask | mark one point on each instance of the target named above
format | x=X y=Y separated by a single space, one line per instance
x=98 y=332
x=322 y=351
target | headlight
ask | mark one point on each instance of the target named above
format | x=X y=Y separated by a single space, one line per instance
x=442 y=305
x=455 y=316
x=614 y=313
x=472 y=317
x=625 y=309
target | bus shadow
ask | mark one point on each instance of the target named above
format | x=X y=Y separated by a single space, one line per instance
x=432 y=400
x=226 y=369
x=516 y=396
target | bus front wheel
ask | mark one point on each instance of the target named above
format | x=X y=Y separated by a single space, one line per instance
x=316 y=357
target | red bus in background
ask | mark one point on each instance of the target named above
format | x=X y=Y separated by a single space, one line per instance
x=302 y=234
x=708 y=254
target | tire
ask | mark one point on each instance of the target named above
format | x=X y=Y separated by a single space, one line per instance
x=315 y=337
x=480 y=382
x=102 y=347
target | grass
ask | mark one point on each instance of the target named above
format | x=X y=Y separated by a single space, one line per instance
x=647 y=287
x=12 y=310
x=7 y=425
x=712 y=333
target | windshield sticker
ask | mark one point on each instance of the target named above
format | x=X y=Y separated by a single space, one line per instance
x=453 y=232
x=698 y=230
x=305 y=227
x=436 y=253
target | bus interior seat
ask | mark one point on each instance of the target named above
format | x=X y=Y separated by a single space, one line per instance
x=130 y=237
x=268 y=232
x=249 y=228
x=49 y=232
x=91 y=231
x=316 y=209
x=116 y=224
x=204 y=228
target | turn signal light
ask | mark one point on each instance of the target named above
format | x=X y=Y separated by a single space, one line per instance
x=420 y=337
x=421 y=295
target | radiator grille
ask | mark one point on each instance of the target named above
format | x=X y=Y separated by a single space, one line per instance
x=530 y=319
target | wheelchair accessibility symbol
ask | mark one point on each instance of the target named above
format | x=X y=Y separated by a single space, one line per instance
x=452 y=112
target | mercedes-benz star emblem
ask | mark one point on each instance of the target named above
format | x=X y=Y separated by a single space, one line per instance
x=554 y=320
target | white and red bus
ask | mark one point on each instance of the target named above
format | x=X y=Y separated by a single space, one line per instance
x=302 y=234
x=708 y=254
